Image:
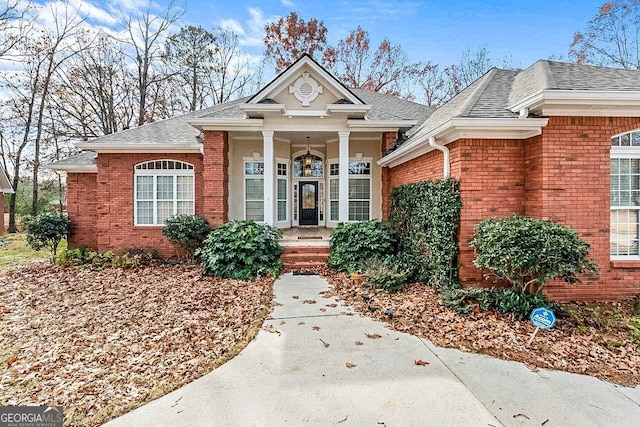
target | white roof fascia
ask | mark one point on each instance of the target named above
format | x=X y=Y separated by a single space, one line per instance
x=463 y=127
x=262 y=107
x=139 y=148
x=282 y=80
x=578 y=97
x=380 y=125
x=74 y=168
x=227 y=124
x=348 y=108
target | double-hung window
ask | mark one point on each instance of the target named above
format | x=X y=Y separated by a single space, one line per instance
x=359 y=191
x=282 y=191
x=163 y=189
x=625 y=195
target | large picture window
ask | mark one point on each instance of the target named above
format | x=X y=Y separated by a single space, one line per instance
x=625 y=195
x=254 y=190
x=163 y=189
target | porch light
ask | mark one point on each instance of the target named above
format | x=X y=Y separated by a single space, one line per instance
x=308 y=158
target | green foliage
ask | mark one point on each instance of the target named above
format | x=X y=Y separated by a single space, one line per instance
x=634 y=329
x=463 y=300
x=520 y=304
x=48 y=196
x=528 y=252
x=426 y=216
x=385 y=276
x=187 y=231
x=84 y=257
x=241 y=250
x=352 y=244
x=506 y=301
x=47 y=230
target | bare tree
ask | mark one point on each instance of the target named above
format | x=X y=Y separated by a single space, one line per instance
x=432 y=85
x=232 y=73
x=611 y=38
x=145 y=33
x=43 y=52
x=94 y=94
x=13 y=22
x=472 y=65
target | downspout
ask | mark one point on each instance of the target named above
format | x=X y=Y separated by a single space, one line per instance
x=445 y=151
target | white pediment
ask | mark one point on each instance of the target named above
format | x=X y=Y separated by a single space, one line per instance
x=305 y=89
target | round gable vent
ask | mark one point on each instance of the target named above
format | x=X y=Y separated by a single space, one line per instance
x=306 y=89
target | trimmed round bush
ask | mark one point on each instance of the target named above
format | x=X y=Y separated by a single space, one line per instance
x=528 y=252
x=186 y=231
x=47 y=231
x=241 y=250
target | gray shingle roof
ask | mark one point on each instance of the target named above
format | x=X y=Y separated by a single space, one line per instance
x=85 y=158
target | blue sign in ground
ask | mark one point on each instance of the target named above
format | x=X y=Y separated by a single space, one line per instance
x=542 y=318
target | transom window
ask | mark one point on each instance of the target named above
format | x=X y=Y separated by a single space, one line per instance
x=163 y=189
x=316 y=167
x=625 y=195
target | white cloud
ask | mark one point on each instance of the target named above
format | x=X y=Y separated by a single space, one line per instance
x=232 y=25
x=287 y=3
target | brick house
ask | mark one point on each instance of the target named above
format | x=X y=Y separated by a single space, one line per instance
x=5 y=188
x=555 y=141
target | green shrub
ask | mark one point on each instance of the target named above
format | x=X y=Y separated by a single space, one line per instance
x=385 y=276
x=241 y=250
x=426 y=216
x=528 y=252
x=518 y=303
x=463 y=300
x=84 y=257
x=352 y=244
x=187 y=231
x=506 y=301
x=47 y=230
x=634 y=329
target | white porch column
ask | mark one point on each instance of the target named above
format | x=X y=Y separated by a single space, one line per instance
x=343 y=167
x=269 y=173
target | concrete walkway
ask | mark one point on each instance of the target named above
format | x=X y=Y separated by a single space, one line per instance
x=297 y=375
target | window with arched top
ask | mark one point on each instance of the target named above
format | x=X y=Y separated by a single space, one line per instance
x=625 y=195
x=308 y=166
x=163 y=189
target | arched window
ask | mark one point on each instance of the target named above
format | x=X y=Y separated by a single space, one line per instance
x=305 y=168
x=625 y=195
x=163 y=189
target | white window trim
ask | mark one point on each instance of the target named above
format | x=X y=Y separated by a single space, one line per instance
x=246 y=160
x=369 y=177
x=288 y=214
x=155 y=173
x=624 y=152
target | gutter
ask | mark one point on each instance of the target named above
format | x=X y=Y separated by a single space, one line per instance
x=445 y=152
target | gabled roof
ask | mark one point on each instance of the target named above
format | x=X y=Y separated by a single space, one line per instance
x=340 y=90
x=5 y=184
x=507 y=104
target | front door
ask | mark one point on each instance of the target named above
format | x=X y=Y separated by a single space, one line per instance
x=308 y=203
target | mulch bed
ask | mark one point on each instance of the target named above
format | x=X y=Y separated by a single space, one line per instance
x=600 y=347
x=101 y=343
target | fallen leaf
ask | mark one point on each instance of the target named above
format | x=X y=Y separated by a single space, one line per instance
x=326 y=344
x=309 y=301
x=350 y=365
x=322 y=309
x=373 y=336
x=271 y=329
x=282 y=322
x=295 y=297
x=11 y=361
x=316 y=328
x=359 y=343
x=332 y=305
x=420 y=362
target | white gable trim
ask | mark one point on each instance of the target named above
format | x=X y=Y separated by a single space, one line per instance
x=582 y=103
x=5 y=184
x=100 y=147
x=290 y=75
x=458 y=128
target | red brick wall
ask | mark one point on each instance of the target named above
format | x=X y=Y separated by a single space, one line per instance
x=114 y=222
x=81 y=207
x=568 y=182
x=215 y=176
x=562 y=175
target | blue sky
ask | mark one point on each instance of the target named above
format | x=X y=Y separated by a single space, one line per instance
x=521 y=31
